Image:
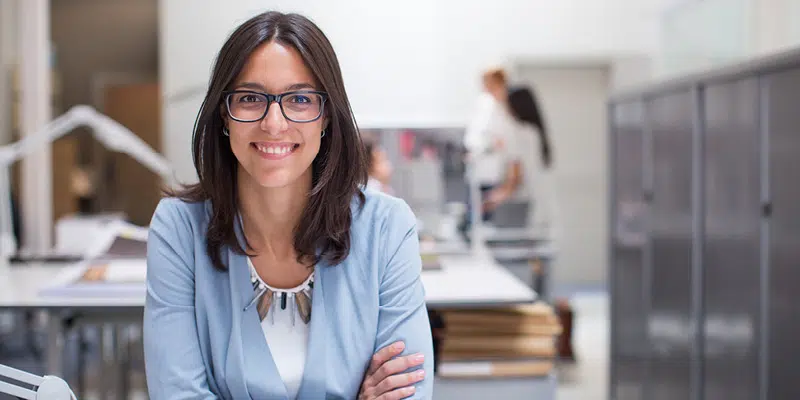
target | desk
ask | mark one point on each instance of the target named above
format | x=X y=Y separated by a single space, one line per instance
x=463 y=281
x=473 y=281
x=495 y=234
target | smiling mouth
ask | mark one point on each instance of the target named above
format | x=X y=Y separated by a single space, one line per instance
x=275 y=150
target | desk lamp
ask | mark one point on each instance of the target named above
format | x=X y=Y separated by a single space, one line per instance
x=45 y=387
x=107 y=131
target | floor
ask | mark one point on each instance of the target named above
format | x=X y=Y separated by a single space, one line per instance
x=588 y=378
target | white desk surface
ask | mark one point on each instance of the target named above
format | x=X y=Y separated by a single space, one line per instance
x=510 y=253
x=464 y=280
x=495 y=234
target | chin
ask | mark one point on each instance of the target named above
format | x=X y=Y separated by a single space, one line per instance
x=277 y=178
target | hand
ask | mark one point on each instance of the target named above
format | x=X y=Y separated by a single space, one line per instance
x=384 y=381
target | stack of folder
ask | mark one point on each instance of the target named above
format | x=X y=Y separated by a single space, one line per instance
x=517 y=341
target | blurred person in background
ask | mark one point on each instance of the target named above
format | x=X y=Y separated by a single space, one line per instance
x=276 y=275
x=489 y=140
x=528 y=174
x=379 y=168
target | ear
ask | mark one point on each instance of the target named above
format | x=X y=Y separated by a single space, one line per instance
x=223 y=114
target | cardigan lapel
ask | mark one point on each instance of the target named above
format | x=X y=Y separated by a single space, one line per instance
x=314 y=385
x=259 y=374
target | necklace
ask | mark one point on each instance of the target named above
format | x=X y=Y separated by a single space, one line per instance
x=297 y=299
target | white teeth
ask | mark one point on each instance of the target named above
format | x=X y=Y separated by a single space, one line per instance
x=274 y=150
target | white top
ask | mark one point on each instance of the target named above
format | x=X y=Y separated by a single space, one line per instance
x=287 y=336
x=538 y=186
x=491 y=124
x=520 y=142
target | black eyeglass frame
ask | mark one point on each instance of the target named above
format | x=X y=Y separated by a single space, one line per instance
x=274 y=98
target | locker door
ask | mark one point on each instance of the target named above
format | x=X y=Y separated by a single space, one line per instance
x=784 y=234
x=628 y=323
x=732 y=240
x=669 y=325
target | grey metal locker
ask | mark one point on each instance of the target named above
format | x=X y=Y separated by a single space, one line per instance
x=628 y=237
x=731 y=240
x=671 y=227
x=783 y=125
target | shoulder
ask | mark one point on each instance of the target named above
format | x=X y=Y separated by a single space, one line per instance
x=382 y=210
x=173 y=211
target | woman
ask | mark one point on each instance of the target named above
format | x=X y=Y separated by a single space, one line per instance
x=528 y=174
x=379 y=168
x=489 y=137
x=265 y=279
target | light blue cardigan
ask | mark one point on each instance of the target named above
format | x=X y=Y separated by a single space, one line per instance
x=201 y=341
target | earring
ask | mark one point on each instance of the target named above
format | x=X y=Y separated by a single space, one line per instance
x=225 y=131
x=323 y=133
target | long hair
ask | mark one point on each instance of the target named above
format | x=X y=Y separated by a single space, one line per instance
x=338 y=171
x=524 y=108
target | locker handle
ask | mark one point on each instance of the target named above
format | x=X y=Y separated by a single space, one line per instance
x=766 y=209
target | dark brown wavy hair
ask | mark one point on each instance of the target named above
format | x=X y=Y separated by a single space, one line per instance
x=339 y=170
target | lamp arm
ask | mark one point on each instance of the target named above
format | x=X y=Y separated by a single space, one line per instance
x=46 y=387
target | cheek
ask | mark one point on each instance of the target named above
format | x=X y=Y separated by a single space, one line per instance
x=239 y=144
x=312 y=141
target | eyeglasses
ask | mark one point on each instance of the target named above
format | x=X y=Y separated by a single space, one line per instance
x=296 y=106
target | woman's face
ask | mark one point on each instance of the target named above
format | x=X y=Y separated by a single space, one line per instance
x=275 y=152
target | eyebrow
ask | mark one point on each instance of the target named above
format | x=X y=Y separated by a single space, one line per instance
x=256 y=86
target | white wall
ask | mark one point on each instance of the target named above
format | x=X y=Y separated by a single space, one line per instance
x=699 y=35
x=411 y=63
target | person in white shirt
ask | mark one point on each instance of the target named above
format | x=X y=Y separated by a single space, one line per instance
x=489 y=136
x=507 y=144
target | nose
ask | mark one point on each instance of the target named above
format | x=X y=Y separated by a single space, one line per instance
x=274 y=122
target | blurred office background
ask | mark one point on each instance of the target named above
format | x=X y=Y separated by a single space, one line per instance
x=412 y=71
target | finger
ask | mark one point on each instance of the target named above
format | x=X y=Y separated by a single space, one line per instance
x=399 y=364
x=399 y=381
x=383 y=355
x=397 y=394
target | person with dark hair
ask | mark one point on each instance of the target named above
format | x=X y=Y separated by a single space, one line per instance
x=277 y=275
x=532 y=179
x=379 y=168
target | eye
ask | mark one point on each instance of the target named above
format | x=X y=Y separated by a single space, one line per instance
x=249 y=98
x=299 y=99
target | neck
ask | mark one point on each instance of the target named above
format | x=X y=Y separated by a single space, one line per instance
x=499 y=94
x=270 y=215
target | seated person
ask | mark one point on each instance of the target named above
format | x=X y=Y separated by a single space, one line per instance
x=379 y=168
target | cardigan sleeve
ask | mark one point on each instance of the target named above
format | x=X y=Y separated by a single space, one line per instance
x=174 y=365
x=402 y=311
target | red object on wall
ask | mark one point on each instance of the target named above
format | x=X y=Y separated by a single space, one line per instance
x=407 y=142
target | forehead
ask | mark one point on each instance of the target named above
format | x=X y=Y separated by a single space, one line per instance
x=275 y=68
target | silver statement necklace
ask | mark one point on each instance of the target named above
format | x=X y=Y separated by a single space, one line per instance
x=297 y=300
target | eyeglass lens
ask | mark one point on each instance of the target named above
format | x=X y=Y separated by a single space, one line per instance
x=297 y=107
